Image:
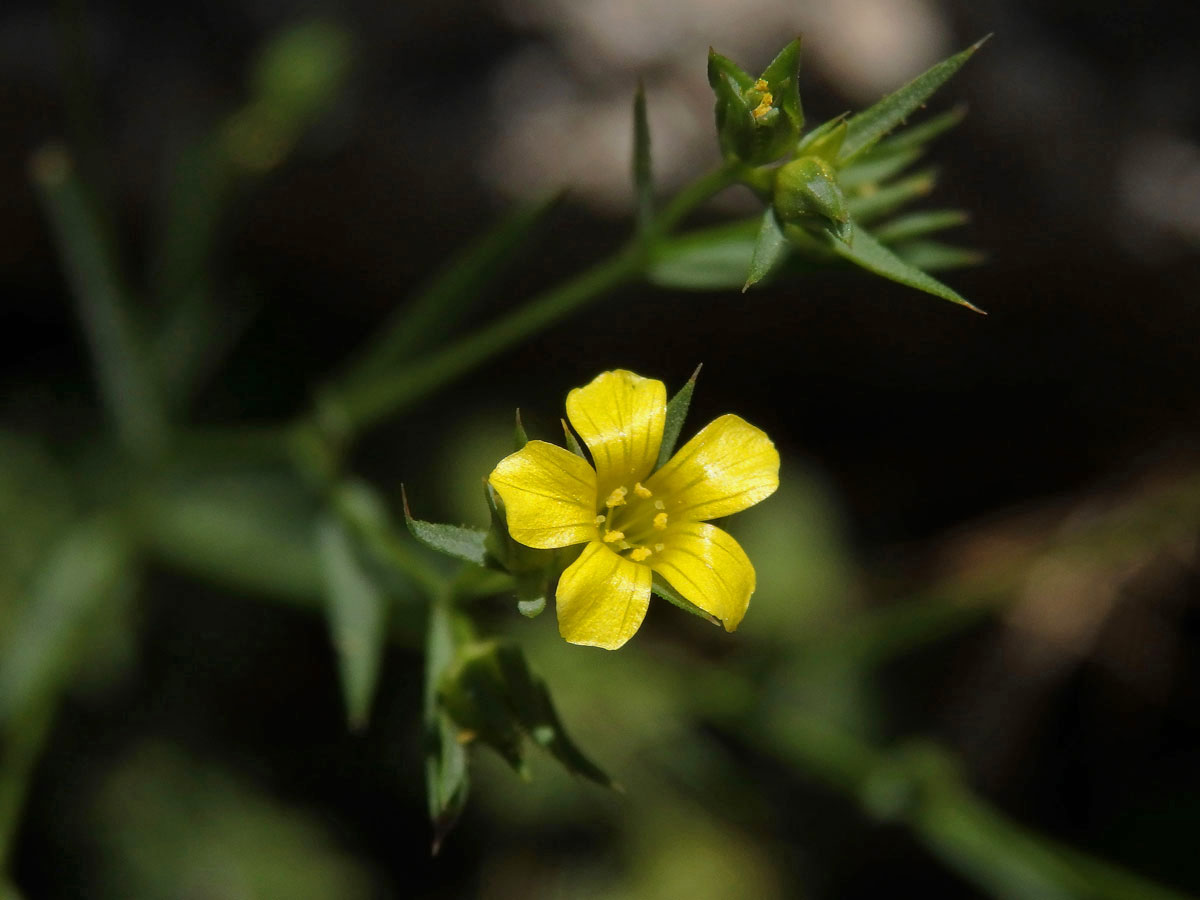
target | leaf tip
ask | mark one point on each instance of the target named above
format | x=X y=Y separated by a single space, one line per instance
x=696 y=374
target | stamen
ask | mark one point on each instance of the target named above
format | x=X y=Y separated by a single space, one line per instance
x=660 y=521
x=764 y=106
x=658 y=504
x=600 y=520
x=642 y=492
x=617 y=497
x=658 y=548
x=611 y=537
x=761 y=85
x=639 y=554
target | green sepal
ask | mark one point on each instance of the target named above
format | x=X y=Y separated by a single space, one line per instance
x=643 y=177
x=865 y=251
x=664 y=590
x=677 y=408
x=749 y=128
x=493 y=695
x=807 y=194
x=870 y=125
x=781 y=77
x=571 y=442
x=459 y=541
x=520 y=437
x=723 y=67
x=771 y=247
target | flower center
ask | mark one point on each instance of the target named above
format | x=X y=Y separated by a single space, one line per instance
x=632 y=522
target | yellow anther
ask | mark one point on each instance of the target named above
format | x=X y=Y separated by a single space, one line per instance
x=639 y=554
x=617 y=497
x=761 y=85
x=764 y=105
x=600 y=520
x=611 y=537
x=658 y=548
x=660 y=521
x=642 y=492
x=658 y=504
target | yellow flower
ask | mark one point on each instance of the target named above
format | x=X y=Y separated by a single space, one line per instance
x=637 y=522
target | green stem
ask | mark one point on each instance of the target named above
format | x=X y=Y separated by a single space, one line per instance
x=361 y=405
x=355 y=406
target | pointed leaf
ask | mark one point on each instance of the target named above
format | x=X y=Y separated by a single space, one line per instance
x=535 y=711
x=356 y=607
x=722 y=66
x=825 y=140
x=677 y=408
x=866 y=128
x=876 y=167
x=864 y=250
x=643 y=180
x=454 y=540
x=707 y=259
x=870 y=206
x=936 y=256
x=770 y=249
x=664 y=590
x=919 y=224
x=919 y=135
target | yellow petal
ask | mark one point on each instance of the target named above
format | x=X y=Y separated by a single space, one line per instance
x=729 y=466
x=549 y=496
x=708 y=567
x=602 y=598
x=620 y=417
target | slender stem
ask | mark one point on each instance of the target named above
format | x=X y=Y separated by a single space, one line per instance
x=357 y=405
x=364 y=404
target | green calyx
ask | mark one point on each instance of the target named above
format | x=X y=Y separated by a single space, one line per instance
x=758 y=119
x=807 y=194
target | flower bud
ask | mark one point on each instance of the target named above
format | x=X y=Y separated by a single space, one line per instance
x=807 y=194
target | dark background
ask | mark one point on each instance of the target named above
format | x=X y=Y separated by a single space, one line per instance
x=1079 y=164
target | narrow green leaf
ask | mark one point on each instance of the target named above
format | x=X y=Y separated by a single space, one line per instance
x=356 y=607
x=128 y=383
x=936 y=256
x=534 y=710
x=825 y=140
x=919 y=224
x=643 y=178
x=447 y=300
x=677 y=409
x=770 y=249
x=569 y=437
x=447 y=778
x=458 y=541
x=70 y=588
x=866 y=128
x=869 y=206
x=664 y=590
x=917 y=136
x=877 y=167
x=865 y=251
x=249 y=530
x=708 y=259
